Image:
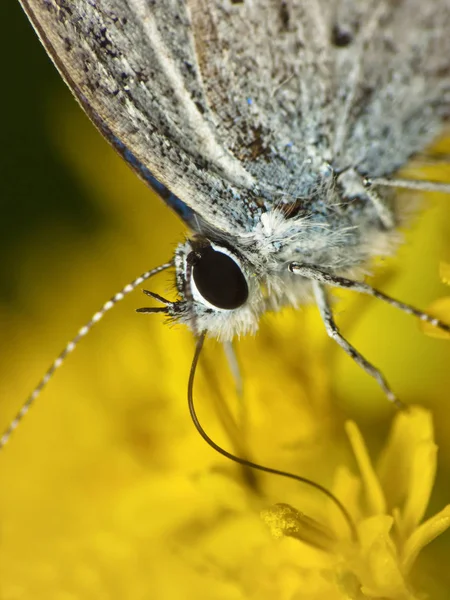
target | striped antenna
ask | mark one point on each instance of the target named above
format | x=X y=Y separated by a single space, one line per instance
x=71 y=347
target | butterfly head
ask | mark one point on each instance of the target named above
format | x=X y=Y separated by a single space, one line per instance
x=219 y=292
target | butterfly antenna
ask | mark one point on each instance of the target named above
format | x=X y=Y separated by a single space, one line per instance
x=4 y=439
x=247 y=463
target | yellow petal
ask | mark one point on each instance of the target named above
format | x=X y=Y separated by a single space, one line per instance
x=398 y=469
x=423 y=535
x=379 y=570
x=376 y=502
x=371 y=529
x=346 y=487
x=413 y=465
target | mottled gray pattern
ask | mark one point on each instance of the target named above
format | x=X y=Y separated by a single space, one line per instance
x=264 y=117
x=274 y=91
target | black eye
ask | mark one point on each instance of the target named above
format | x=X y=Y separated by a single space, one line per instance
x=219 y=279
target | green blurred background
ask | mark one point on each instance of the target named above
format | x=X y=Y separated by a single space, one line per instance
x=76 y=225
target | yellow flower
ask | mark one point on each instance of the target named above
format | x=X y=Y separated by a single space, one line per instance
x=107 y=491
x=388 y=505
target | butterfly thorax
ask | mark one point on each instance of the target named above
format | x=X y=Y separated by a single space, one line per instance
x=227 y=282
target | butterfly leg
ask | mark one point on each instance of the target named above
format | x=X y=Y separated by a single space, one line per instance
x=233 y=364
x=384 y=211
x=321 y=276
x=334 y=333
x=242 y=417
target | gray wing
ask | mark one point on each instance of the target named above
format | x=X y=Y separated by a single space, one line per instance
x=235 y=106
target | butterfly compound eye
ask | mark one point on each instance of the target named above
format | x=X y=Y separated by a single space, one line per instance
x=219 y=279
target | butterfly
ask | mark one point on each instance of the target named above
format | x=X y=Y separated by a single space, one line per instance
x=274 y=129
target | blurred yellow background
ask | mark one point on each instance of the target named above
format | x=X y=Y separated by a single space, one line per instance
x=106 y=490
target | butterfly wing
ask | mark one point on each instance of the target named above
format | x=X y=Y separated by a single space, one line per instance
x=236 y=106
x=133 y=67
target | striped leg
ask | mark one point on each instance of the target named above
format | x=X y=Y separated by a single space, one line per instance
x=334 y=333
